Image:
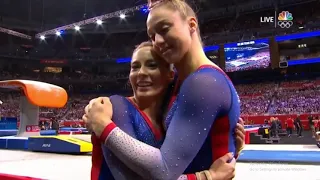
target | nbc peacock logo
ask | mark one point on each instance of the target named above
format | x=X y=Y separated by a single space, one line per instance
x=285 y=19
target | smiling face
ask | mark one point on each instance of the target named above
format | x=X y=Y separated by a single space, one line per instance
x=171 y=25
x=169 y=34
x=149 y=75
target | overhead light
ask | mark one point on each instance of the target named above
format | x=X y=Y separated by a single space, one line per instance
x=99 y=22
x=77 y=28
x=42 y=37
x=122 y=16
x=58 y=33
x=97 y=19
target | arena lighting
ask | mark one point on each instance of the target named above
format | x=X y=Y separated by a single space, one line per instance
x=211 y=48
x=42 y=37
x=303 y=61
x=297 y=36
x=15 y=33
x=257 y=41
x=77 y=28
x=145 y=9
x=91 y=20
x=122 y=16
x=99 y=22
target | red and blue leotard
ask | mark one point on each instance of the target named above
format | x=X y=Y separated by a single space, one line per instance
x=136 y=124
x=200 y=128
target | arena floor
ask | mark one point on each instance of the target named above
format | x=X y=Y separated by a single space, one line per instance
x=66 y=167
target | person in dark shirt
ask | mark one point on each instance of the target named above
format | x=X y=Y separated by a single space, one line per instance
x=311 y=124
x=274 y=127
x=298 y=125
x=55 y=125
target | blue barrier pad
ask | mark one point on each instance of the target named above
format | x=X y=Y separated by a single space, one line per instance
x=72 y=129
x=279 y=156
x=20 y=144
x=15 y=144
x=8 y=132
x=58 y=144
x=51 y=145
x=3 y=143
x=48 y=133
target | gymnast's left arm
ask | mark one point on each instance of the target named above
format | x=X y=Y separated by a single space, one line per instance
x=202 y=98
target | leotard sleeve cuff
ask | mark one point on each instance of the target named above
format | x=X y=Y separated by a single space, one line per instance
x=191 y=177
x=107 y=130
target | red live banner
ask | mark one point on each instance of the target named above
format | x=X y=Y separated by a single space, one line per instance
x=32 y=128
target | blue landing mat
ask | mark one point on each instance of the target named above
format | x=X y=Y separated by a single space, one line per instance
x=8 y=132
x=279 y=156
x=17 y=144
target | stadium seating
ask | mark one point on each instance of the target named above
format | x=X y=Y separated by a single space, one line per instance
x=292 y=97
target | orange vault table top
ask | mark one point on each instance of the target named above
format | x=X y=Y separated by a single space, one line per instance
x=39 y=93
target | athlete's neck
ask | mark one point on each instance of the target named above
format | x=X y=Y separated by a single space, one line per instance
x=150 y=107
x=193 y=59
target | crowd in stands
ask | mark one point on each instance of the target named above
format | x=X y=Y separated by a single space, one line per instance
x=256 y=99
x=303 y=56
x=298 y=97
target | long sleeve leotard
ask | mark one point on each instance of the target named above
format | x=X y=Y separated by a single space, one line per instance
x=131 y=120
x=204 y=96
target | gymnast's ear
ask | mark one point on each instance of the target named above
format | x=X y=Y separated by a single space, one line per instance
x=193 y=24
x=171 y=73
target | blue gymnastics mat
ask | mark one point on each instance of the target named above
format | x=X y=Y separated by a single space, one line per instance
x=279 y=156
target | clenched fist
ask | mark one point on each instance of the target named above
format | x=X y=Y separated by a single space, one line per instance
x=98 y=114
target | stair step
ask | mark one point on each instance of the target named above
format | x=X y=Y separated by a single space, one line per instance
x=274 y=138
x=269 y=141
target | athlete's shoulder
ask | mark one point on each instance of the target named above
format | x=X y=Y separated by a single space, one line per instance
x=122 y=108
x=120 y=102
x=211 y=69
x=207 y=75
x=123 y=103
x=118 y=99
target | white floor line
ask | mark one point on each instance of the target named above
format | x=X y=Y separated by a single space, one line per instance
x=272 y=147
x=66 y=167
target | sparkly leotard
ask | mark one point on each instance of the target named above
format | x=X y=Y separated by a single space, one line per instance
x=200 y=126
x=136 y=124
x=133 y=122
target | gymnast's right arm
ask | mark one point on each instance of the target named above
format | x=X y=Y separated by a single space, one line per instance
x=124 y=120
